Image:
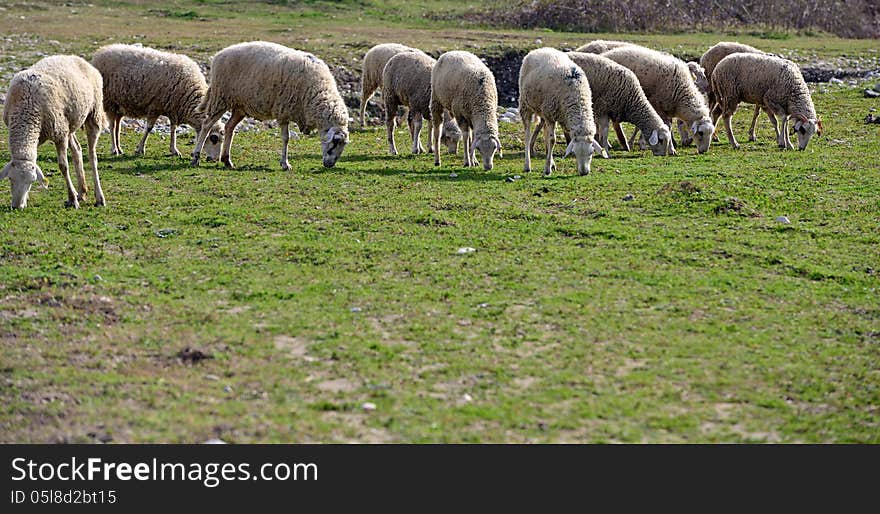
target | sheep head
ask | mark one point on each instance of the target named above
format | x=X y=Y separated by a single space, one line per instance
x=805 y=128
x=333 y=142
x=450 y=135
x=703 y=130
x=487 y=145
x=214 y=143
x=583 y=150
x=660 y=141
x=22 y=174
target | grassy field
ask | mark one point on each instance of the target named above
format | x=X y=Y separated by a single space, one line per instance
x=686 y=314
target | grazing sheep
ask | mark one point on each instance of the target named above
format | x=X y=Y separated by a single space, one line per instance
x=464 y=86
x=670 y=88
x=618 y=96
x=269 y=81
x=553 y=87
x=146 y=83
x=48 y=102
x=371 y=75
x=407 y=81
x=709 y=61
x=600 y=46
x=775 y=84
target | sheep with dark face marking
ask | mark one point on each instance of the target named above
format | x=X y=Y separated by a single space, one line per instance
x=270 y=81
x=145 y=83
x=48 y=102
x=553 y=87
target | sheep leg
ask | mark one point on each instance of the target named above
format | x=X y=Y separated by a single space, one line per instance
x=366 y=93
x=417 y=134
x=753 y=135
x=632 y=139
x=61 y=150
x=527 y=125
x=76 y=149
x=209 y=122
x=549 y=140
x=468 y=142
x=172 y=147
x=772 y=118
x=784 y=131
x=93 y=130
x=539 y=128
x=602 y=122
x=115 y=125
x=391 y=122
x=621 y=137
x=715 y=114
x=285 y=138
x=729 y=129
x=436 y=120
x=234 y=120
x=150 y=123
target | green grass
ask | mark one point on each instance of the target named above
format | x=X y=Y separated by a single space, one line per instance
x=679 y=316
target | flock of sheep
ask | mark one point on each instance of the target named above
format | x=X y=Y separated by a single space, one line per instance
x=599 y=85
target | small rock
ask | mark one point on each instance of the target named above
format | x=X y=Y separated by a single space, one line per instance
x=783 y=219
x=516 y=177
x=368 y=406
x=483 y=305
x=214 y=441
x=467 y=398
x=212 y=377
x=870 y=93
x=356 y=309
x=539 y=41
x=628 y=198
x=227 y=389
x=465 y=249
x=98 y=278
x=510 y=179
x=835 y=80
x=453 y=175
x=877 y=87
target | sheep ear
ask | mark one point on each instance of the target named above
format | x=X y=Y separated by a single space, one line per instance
x=5 y=171
x=41 y=178
x=599 y=148
x=569 y=149
x=653 y=140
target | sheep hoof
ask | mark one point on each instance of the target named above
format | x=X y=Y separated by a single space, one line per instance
x=139 y=152
x=736 y=146
x=227 y=162
x=284 y=165
x=72 y=203
x=175 y=153
x=195 y=161
x=752 y=139
x=100 y=202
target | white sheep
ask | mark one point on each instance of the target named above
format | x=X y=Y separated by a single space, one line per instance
x=407 y=81
x=371 y=76
x=48 y=102
x=618 y=96
x=463 y=85
x=709 y=61
x=670 y=88
x=553 y=87
x=270 y=81
x=142 y=82
x=775 y=84
x=702 y=83
x=600 y=46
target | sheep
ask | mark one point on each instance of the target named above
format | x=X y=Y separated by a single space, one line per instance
x=464 y=86
x=775 y=84
x=600 y=46
x=553 y=87
x=407 y=81
x=371 y=76
x=709 y=61
x=146 y=83
x=670 y=88
x=618 y=96
x=48 y=102
x=270 y=81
